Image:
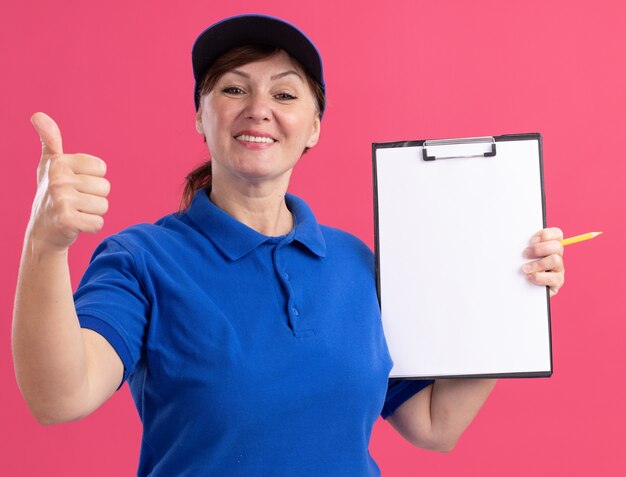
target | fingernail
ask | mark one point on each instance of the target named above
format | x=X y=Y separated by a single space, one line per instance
x=527 y=268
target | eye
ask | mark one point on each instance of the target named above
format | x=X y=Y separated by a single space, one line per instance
x=232 y=90
x=285 y=96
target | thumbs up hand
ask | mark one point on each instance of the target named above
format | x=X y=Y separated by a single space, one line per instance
x=71 y=192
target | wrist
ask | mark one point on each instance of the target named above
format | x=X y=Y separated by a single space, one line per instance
x=40 y=249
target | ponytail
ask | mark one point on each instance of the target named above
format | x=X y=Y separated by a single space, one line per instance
x=199 y=178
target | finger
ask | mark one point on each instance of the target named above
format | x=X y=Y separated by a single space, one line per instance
x=552 y=262
x=554 y=280
x=92 y=185
x=551 y=233
x=91 y=204
x=49 y=133
x=86 y=164
x=89 y=223
x=543 y=249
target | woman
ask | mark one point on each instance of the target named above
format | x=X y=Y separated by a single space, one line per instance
x=250 y=335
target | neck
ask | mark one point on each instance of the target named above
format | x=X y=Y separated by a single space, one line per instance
x=261 y=207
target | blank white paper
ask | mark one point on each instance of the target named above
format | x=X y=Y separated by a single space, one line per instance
x=451 y=233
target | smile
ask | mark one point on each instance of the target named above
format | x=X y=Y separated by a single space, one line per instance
x=248 y=138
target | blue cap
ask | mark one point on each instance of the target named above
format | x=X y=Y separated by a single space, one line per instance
x=253 y=29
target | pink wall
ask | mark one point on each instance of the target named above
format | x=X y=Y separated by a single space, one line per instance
x=117 y=78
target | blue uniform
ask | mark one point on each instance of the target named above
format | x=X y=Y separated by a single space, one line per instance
x=245 y=354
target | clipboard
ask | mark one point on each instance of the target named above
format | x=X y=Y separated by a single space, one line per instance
x=452 y=219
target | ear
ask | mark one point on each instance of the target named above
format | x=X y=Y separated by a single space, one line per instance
x=315 y=132
x=199 y=122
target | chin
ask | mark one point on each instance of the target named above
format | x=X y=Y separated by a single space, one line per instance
x=255 y=175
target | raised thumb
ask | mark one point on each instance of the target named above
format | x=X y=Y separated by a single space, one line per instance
x=49 y=133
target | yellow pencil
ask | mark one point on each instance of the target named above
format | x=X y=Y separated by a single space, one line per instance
x=579 y=238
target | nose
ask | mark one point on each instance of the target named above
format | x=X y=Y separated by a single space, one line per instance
x=258 y=107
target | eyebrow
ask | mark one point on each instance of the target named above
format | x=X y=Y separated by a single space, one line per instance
x=275 y=77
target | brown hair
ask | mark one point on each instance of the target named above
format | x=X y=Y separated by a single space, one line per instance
x=200 y=177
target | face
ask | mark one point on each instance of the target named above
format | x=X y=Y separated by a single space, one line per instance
x=258 y=119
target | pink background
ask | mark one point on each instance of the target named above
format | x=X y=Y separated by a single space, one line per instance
x=117 y=78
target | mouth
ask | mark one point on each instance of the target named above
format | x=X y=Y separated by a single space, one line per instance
x=255 y=138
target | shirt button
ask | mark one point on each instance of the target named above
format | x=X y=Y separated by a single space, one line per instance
x=295 y=311
x=286 y=275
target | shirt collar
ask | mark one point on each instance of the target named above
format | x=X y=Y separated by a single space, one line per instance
x=236 y=239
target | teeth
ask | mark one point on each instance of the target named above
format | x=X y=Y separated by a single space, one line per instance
x=245 y=137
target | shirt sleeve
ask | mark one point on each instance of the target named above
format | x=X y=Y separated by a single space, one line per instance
x=111 y=300
x=400 y=390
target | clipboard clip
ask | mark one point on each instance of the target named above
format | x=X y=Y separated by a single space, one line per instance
x=484 y=146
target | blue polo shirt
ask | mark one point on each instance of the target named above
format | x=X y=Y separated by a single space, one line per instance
x=245 y=354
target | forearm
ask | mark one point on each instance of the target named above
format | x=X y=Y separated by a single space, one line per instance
x=436 y=417
x=454 y=404
x=48 y=348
